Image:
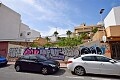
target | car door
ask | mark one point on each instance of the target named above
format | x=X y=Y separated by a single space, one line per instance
x=107 y=67
x=90 y=64
x=24 y=62
x=35 y=63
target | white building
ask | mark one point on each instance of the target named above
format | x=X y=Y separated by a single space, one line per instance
x=27 y=34
x=9 y=23
x=113 y=17
x=11 y=28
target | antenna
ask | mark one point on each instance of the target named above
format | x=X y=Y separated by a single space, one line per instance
x=56 y=28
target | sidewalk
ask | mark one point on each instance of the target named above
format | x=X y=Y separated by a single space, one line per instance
x=62 y=64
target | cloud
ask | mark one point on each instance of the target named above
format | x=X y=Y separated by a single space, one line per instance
x=37 y=14
x=51 y=30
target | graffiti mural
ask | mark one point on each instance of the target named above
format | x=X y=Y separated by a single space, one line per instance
x=93 y=50
x=15 y=52
x=54 y=53
x=58 y=53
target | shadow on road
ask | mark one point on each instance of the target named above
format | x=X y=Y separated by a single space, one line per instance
x=60 y=72
x=3 y=66
x=103 y=76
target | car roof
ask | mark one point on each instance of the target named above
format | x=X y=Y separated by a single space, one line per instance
x=91 y=55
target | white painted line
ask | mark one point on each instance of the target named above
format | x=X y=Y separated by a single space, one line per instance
x=100 y=79
x=55 y=76
x=74 y=77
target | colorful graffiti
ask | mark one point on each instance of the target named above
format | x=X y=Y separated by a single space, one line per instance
x=92 y=50
x=15 y=52
x=54 y=53
x=58 y=53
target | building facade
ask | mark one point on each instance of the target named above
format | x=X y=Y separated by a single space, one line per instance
x=10 y=22
x=13 y=32
x=88 y=30
x=113 y=17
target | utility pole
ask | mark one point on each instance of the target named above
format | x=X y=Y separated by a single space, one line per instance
x=104 y=38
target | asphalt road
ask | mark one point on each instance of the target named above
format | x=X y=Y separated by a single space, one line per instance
x=9 y=73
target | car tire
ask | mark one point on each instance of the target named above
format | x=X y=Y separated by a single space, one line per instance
x=18 y=68
x=73 y=72
x=79 y=71
x=44 y=70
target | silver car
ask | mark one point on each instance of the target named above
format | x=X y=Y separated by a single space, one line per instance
x=93 y=63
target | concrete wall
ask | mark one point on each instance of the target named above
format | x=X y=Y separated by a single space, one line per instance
x=117 y=15
x=113 y=17
x=9 y=23
x=15 y=50
x=24 y=27
x=113 y=31
x=98 y=36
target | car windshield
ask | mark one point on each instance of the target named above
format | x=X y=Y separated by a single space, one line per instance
x=41 y=57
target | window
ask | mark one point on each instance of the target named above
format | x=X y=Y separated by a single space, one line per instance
x=28 y=33
x=25 y=57
x=33 y=58
x=88 y=58
x=21 y=34
x=41 y=57
x=102 y=59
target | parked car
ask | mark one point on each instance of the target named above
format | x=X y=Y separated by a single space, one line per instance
x=37 y=63
x=3 y=61
x=93 y=63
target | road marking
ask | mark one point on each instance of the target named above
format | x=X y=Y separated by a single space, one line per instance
x=55 y=76
x=100 y=79
x=74 y=77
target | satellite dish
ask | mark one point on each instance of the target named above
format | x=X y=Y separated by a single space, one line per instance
x=104 y=38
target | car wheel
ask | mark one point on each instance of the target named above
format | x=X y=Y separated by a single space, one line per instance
x=17 y=68
x=79 y=70
x=44 y=70
x=73 y=72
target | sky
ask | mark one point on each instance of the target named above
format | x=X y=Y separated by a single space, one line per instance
x=47 y=16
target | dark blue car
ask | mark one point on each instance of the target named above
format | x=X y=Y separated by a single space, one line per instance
x=3 y=61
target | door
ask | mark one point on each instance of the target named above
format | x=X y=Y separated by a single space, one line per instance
x=107 y=67
x=90 y=64
x=24 y=63
x=115 y=50
x=34 y=64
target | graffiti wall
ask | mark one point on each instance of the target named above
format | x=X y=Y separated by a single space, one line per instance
x=54 y=53
x=59 y=53
x=15 y=52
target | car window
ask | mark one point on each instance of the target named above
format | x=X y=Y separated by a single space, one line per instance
x=33 y=58
x=25 y=57
x=102 y=59
x=88 y=58
x=41 y=58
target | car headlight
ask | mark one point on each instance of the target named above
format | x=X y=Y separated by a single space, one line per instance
x=52 y=65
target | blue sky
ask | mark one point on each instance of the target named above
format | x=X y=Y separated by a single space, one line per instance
x=47 y=15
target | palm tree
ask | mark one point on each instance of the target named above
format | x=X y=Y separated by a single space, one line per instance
x=68 y=33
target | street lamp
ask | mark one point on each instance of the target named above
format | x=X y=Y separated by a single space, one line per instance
x=102 y=22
